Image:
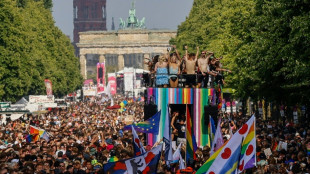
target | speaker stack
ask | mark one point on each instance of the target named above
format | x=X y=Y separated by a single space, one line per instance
x=210 y=111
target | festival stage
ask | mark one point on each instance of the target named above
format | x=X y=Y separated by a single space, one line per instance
x=197 y=97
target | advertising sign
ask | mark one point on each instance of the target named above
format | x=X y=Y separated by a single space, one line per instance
x=4 y=105
x=89 y=91
x=112 y=82
x=41 y=99
x=128 y=79
x=100 y=77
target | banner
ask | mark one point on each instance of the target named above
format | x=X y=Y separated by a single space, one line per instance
x=48 y=86
x=112 y=81
x=128 y=79
x=40 y=99
x=89 y=91
x=100 y=77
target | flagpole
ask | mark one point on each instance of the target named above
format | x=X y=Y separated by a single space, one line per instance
x=209 y=131
x=255 y=139
x=186 y=138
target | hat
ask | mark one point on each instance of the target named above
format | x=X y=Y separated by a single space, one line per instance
x=94 y=161
x=97 y=166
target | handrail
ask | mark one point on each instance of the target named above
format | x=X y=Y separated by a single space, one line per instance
x=149 y=79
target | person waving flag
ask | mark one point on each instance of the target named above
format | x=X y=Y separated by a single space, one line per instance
x=137 y=144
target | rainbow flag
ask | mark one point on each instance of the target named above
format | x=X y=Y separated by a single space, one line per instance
x=34 y=130
x=30 y=138
x=248 y=158
x=226 y=158
x=211 y=129
x=275 y=146
x=113 y=159
x=37 y=131
x=308 y=149
x=191 y=145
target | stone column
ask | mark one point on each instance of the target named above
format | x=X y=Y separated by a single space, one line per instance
x=145 y=56
x=120 y=62
x=83 y=66
x=101 y=58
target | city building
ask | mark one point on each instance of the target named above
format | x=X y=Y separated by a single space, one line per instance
x=89 y=15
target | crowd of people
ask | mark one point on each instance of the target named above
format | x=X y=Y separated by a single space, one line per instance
x=87 y=135
x=191 y=70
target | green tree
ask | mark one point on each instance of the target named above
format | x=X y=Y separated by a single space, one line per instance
x=32 y=49
x=265 y=43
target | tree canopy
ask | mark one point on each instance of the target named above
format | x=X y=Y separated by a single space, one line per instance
x=32 y=49
x=265 y=44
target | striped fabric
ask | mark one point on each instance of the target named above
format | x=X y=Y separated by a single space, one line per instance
x=211 y=129
x=226 y=159
x=199 y=97
x=248 y=158
x=191 y=145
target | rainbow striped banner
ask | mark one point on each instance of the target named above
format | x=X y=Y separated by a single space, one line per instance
x=198 y=97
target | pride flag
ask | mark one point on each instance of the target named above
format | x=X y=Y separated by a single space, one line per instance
x=37 y=131
x=113 y=159
x=275 y=146
x=167 y=139
x=211 y=129
x=30 y=138
x=34 y=130
x=218 y=138
x=149 y=126
x=248 y=158
x=191 y=145
x=146 y=163
x=226 y=159
x=137 y=144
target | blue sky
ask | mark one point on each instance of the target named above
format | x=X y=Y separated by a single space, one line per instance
x=162 y=14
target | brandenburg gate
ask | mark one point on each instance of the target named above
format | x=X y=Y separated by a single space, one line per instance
x=122 y=48
x=126 y=47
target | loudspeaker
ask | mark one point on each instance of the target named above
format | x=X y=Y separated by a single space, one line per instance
x=210 y=110
x=149 y=110
x=146 y=79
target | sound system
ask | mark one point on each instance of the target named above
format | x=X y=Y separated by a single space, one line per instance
x=149 y=110
x=146 y=79
x=210 y=110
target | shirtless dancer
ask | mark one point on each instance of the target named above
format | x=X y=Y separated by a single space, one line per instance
x=204 y=68
x=190 y=63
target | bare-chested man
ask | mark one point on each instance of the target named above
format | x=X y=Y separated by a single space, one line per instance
x=204 y=68
x=190 y=63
